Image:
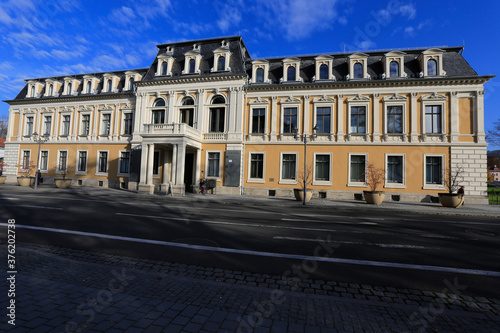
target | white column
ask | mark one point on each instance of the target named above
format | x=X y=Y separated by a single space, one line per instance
x=376 y=118
x=306 y=114
x=274 y=117
x=21 y=121
x=173 y=168
x=95 y=115
x=414 y=117
x=144 y=164
x=200 y=126
x=480 y=117
x=232 y=110
x=139 y=114
x=240 y=111
x=340 y=118
x=38 y=123
x=454 y=117
x=55 y=129
x=170 y=108
x=116 y=116
x=10 y=123
x=181 y=161
x=151 y=153
x=165 y=167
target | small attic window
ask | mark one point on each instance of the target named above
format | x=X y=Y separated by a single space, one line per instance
x=431 y=67
x=358 y=70
x=221 y=63
x=110 y=85
x=260 y=75
x=394 y=69
x=192 y=65
x=323 y=72
x=89 y=87
x=51 y=90
x=32 y=91
x=164 y=67
x=290 y=75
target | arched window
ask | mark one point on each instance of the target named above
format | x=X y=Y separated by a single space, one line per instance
x=32 y=91
x=131 y=84
x=358 y=70
x=89 y=87
x=159 y=115
x=159 y=102
x=69 y=88
x=323 y=72
x=188 y=101
x=217 y=115
x=290 y=73
x=432 y=67
x=260 y=75
x=51 y=90
x=192 y=63
x=110 y=85
x=221 y=63
x=394 y=69
x=164 y=68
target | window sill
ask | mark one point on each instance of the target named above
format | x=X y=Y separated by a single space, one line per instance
x=356 y=184
x=322 y=183
x=126 y=175
x=104 y=174
x=80 y=173
x=394 y=185
x=433 y=187
x=256 y=180
x=288 y=182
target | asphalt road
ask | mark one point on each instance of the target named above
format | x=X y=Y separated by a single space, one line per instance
x=428 y=252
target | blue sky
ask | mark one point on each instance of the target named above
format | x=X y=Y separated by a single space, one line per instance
x=48 y=38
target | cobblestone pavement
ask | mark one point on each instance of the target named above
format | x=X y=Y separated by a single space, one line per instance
x=64 y=290
x=401 y=207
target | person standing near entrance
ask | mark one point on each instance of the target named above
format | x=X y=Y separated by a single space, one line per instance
x=202 y=186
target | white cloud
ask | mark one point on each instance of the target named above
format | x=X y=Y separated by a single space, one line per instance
x=410 y=31
x=6 y=65
x=229 y=14
x=191 y=28
x=365 y=45
x=343 y=20
x=124 y=15
x=408 y=10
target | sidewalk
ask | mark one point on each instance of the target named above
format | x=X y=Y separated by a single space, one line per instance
x=64 y=290
x=397 y=207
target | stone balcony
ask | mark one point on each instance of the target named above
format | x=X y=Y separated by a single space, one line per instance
x=172 y=130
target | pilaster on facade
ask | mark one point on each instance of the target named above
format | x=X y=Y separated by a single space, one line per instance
x=414 y=136
x=274 y=117
x=340 y=118
x=481 y=136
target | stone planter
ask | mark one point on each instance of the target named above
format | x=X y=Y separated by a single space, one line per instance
x=452 y=200
x=299 y=194
x=26 y=181
x=374 y=197
x=2 y=179
x=62 y=183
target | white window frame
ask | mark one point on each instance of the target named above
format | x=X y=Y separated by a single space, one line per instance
x=352 y=103
x=118 y=172
x=264 y=64
x=432 y=100
x=61 y=130
x=289 y=181
x=122 y=132
x=48 y=160
x=289 y=102
x=325 y=102
x=103 y=129
x=324 y=60
x=249 y=176
x=356 y=184
x=322 y=182
x=395 y=100
x=97 y=172
x=266 y=120
x=164 y=58
x=403 y=173
x=82 y=173
x=220 y=164
x=295 y=62
x=434 y=186
x=33 y=125
x=51 y=123
x=21 y=169
x=221 y=52
x=81 y=124
x=361 y=58
x=59 y=151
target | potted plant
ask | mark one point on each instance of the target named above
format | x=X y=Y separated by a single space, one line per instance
x=304 y=178
x=63 y=182
x=25 y=170
x=2 y=177
x=452 y=181
x=373 y=178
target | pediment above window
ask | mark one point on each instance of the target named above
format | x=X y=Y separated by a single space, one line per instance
x=395 y=98
x=433 y=97
x=259 y=100
x=358 y=98
x=324 y=99
x=290 y=100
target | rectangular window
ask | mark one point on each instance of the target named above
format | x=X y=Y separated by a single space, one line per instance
x=213 y=165
x=47 y=125
x=358 y=168
x=395 y=169
x=86 y=124
x=395 y=119
x=106 y=123
x=289 y=120
x=257 y=166
x=323 y=116
x=217 y=117
x=258 y=121
x=125 y=162
x=187 y=116
x=288 y=167
x=66 y=125
x=158 y=116
x=358 y=119
x=127 y=126
x=82 y=161
x=63 y=159
x=322 y=168
x=433 y=119
x=44 y=160
x=156 y=163
x=26 y=159
x=433 y=170
x=103 y=162
x=29 y=126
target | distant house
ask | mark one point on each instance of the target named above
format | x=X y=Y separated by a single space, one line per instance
x=495 y=172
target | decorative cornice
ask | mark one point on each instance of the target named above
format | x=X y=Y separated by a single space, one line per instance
x=358 y=98
x=433 y=97
x=395 y=98
x=190 y=80
x=290 y=100
x=68 y=99
x=324 y=99
x=258 y=100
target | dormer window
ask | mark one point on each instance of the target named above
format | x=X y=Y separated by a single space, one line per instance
x=32 y=94
x=89 y=87
x=51 y=90
x=164 y=68
x=291 y=70
x=393 y=62
x=70 y=88
x=192 y=65
x=165 y=62
x=89 y=84
x=432 y=67
x=110 y=85
x=323 y=72
x=260 y=70
x=131 y=84
x=34 y=88
x=192 y=61
x=394 y=69
x=358 y=66
x=221 y=58
x=431 y=62
x=221 y=63
x=358 y=71
x=324 y=64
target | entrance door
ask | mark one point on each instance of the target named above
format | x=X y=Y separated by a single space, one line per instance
x=188 y=171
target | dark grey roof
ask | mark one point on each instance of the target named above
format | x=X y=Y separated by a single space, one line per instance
x=239 y=55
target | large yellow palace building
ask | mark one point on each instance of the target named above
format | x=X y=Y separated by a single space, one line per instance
x=205 y=109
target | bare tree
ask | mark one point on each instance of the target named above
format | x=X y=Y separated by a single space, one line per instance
x=374 y=177
x=453 y=178
x=4 y=122
x=493 y=136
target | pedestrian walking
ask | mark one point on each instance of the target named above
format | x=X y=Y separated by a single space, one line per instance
x=202 y=186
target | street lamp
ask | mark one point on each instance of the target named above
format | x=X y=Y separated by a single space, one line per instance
x=39 y=139
x=304 y=139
